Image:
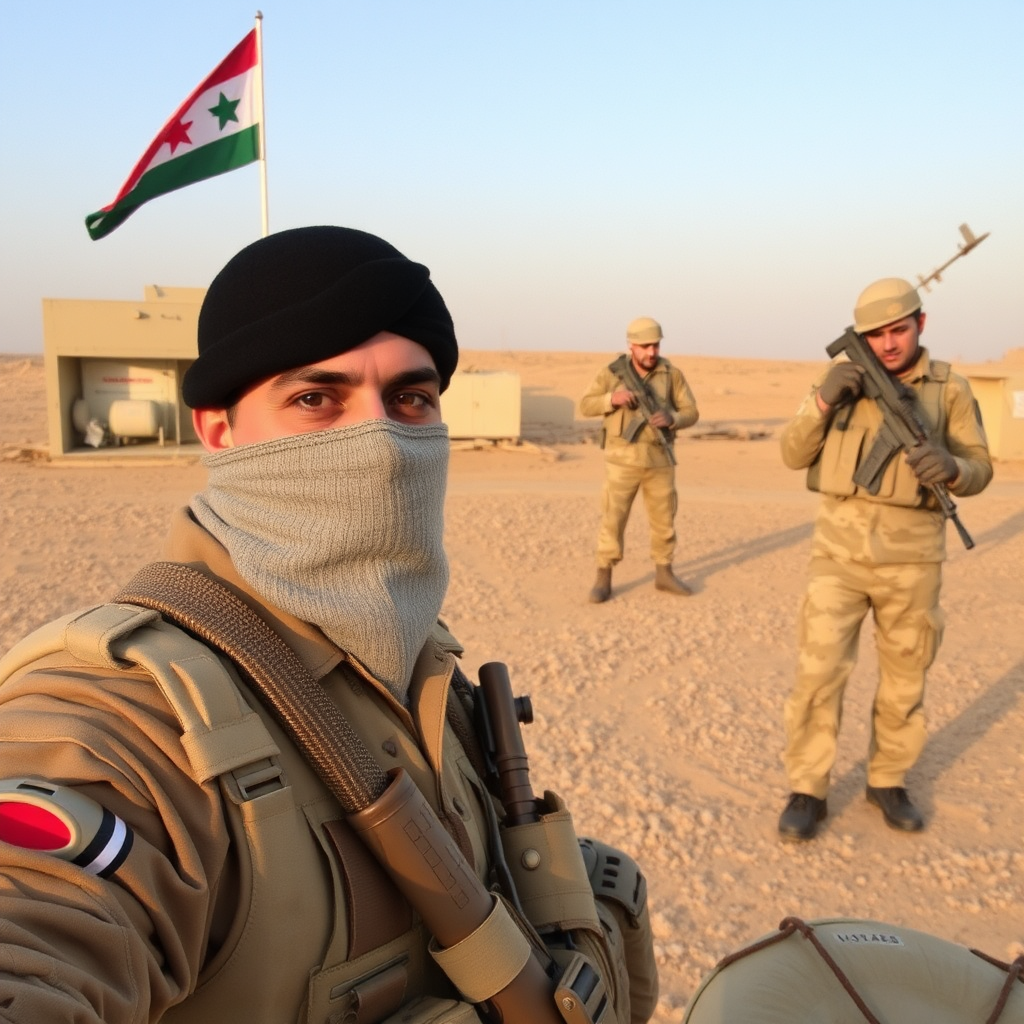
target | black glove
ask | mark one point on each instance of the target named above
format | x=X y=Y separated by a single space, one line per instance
x=932 y=464
x=843 y=383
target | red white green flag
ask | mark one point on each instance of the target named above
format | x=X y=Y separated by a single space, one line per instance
x=215 y=130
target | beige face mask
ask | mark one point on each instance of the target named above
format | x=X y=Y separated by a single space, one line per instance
x=341 y=528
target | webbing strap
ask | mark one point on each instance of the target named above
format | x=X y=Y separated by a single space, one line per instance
x=220 y=732
x=220 y=617
x=377 y=912
x=489 y=959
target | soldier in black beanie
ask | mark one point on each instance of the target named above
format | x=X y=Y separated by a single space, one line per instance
x=323 y=352
x=302 y=295
x=199 y=855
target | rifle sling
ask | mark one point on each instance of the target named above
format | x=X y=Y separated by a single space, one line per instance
x=209 y=610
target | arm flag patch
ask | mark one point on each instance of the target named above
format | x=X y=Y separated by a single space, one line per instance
x=53 y=819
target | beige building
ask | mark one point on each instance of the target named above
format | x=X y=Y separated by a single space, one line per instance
x=114 y=370
x=999 y=389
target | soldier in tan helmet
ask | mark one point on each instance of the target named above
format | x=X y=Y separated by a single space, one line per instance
x=644 y=400
x=881 y=553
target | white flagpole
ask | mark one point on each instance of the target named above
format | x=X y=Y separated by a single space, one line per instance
x=263 y=125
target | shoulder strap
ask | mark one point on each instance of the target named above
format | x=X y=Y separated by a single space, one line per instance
x=619 y=366
x=931 y=397
x=285 y=687
x=220 y=732
x=219 y=617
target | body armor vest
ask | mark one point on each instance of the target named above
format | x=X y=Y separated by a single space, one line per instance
x=848 y=441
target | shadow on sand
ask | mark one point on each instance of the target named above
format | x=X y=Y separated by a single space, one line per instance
x=696 y=570
x=945 y=746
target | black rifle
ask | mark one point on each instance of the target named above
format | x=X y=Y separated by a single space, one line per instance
x=901 y=429
x=624 y=369
x=507 y=761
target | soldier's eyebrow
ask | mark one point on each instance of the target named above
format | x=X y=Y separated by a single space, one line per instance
x=311 y=375
x=421 y=375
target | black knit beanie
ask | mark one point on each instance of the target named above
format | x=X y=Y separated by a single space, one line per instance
x=300 y=296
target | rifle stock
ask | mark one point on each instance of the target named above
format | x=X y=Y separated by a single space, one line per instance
x=405 y=835
x=902 y=429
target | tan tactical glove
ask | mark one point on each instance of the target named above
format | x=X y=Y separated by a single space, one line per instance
x=843 y=383
x=932 y=464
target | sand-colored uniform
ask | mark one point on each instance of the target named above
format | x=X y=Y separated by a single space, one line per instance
x=247 y=898
x=188 y=916
x=881 y=553
x=641 y=464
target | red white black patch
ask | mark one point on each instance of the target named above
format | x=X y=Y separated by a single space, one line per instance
x=40 y=816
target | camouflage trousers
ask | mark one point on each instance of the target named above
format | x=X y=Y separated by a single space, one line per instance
x=621 y=483
x=904 y=601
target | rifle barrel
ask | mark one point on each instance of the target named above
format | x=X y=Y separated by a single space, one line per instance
x=505 y=713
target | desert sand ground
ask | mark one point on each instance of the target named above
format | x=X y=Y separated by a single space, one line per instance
x=657 y=718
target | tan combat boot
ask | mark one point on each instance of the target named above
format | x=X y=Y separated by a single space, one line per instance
x=665 y=579
x=602 y=588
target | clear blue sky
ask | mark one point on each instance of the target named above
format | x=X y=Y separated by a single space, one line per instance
x=737 y=169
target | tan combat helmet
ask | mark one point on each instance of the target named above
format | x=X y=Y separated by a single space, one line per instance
x=881 y=303
x=643 y=331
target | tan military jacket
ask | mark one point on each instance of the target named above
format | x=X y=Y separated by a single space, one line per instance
x=669 y=384
x=192 y=907
x=900 y=524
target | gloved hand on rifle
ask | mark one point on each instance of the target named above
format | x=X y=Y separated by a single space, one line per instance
x=843 y=383
x=932 y=464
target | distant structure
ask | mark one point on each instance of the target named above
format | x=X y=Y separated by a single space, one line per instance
x=114 y=370
x=999 y=391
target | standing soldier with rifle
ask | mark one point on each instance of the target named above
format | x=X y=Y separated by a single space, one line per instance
x=644 y=400
x=886 y=435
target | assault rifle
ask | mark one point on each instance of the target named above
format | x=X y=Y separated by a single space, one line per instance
x=624 y=369
x=902 y=428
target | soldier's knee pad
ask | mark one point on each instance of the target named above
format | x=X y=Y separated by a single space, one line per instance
x=621 y=893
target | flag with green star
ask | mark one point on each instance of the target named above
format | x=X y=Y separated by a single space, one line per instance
x=215 y=130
